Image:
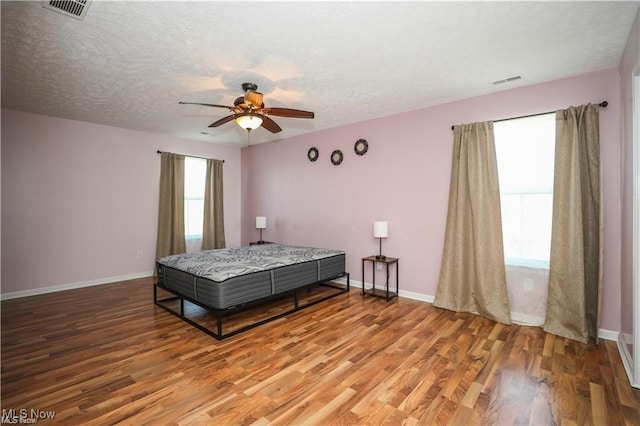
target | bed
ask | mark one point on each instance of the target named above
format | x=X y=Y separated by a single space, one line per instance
x=229 y=280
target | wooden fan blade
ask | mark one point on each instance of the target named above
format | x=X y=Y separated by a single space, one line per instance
x=230 y=108
x=287 y=112
x=270 y=125
x=223 y=120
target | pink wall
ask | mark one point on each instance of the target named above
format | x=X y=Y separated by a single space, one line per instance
x=404 y=179
x=630 y=64
x=79 y=199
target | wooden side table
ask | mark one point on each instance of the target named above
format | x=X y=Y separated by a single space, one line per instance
x=386 y=293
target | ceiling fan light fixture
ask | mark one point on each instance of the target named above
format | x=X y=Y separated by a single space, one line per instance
x=249 y=121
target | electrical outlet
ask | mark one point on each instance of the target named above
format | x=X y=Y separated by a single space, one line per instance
x=139 y=254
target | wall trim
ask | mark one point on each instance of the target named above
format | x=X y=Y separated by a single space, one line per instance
x=608 y=334
x=627 y=359
x=602 y=333
x=71 y=286
x=417 y=296
x=634 y=361
x=516 y=317
x=402 y=293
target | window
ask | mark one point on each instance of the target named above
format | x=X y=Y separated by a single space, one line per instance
x=195 y=172
x=525 y=150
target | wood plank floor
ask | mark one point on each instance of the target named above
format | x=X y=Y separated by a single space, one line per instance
x=107 y=355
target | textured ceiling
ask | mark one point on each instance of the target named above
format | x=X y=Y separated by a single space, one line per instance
x=127 y=64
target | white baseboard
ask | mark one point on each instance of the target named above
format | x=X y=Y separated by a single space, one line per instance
x=627 y=359
x=402 y=293
x=608 y=334
x=516 y=317
x=417 y=296
x=71 y=286
x=527 y=319
x=352 y=283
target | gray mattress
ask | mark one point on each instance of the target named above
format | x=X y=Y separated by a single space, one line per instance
x=226 y=278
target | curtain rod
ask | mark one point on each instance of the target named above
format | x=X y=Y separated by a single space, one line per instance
x=602 y=104
x=192 y=156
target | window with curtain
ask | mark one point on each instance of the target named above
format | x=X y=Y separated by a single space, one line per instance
x=195 y=170
x=525 y=150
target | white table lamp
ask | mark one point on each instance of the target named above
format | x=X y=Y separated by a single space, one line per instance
x=380 y=230
x=261 y=223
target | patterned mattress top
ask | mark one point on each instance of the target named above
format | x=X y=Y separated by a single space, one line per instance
x=222 y=264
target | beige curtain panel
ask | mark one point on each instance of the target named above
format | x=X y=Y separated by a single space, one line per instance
x=213 y=226
x=472 y=276
x=575 y=267
x=171 y=238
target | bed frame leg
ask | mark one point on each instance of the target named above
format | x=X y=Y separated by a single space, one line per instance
x=220 y=313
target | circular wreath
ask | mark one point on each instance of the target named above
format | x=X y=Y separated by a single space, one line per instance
x=336 y=157
x=361 y=147
x=312 y=155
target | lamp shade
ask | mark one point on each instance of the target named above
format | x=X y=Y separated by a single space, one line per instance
x=249 y=121
x=261 y=222
x=380 y=229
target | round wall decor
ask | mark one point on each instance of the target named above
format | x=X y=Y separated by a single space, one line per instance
x=312 y=154
x=336 y=157
x=361 y=147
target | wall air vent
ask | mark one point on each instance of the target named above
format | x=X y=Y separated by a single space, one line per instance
x=506 y=80
x=74 y=8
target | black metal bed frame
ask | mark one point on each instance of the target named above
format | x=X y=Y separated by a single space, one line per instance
x=220 y=313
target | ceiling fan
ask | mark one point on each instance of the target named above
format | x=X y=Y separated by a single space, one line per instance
x=250 y=113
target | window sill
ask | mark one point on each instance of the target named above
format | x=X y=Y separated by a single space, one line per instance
x=527 y=263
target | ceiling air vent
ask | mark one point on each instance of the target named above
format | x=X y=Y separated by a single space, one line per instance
x=74 y=8
x=506 y=80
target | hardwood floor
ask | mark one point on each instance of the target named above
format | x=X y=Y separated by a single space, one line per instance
x=107 y=354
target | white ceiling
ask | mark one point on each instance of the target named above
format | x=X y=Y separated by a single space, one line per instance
x=127 y=64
